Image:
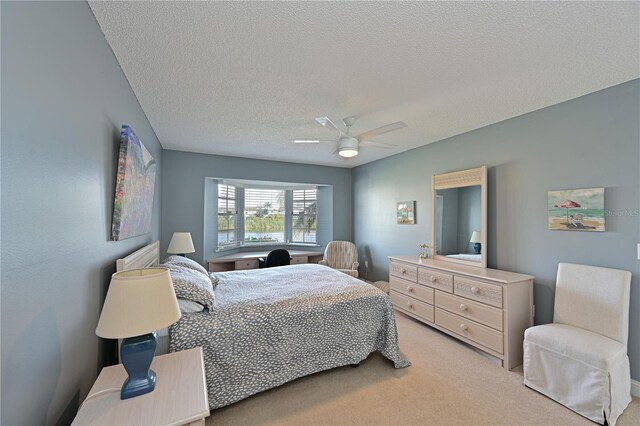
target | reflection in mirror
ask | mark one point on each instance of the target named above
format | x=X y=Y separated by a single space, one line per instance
x=458 y=217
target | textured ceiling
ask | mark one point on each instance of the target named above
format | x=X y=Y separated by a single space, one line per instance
x=246 y=78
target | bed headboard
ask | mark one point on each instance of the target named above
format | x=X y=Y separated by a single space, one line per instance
x=142 y=258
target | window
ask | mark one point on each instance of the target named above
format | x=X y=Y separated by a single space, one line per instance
x=227 y=215
x=264 y=213
x=304 y=214
x=253 y=213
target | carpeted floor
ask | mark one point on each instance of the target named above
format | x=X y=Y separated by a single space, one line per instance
x=449 y=383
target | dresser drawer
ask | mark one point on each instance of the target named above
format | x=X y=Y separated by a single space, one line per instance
x=478 y=290
x=246 y=264
x=425 y=294
x=466 y=308
x=485 y=336
x=423 y=310
x=405 y=271
x=296 y=260
x=435 y=279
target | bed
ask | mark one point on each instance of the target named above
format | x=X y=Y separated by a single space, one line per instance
x=270 y=326
x=466 y=256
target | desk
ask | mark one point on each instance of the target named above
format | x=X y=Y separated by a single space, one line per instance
x=180 y=396
x=249 y=259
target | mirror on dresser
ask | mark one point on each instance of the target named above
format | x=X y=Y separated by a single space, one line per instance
x=459 y=212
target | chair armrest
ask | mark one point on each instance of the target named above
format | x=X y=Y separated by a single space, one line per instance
x=355 y=265
x=322 y=262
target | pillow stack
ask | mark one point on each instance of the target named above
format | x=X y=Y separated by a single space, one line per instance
x=192 y=284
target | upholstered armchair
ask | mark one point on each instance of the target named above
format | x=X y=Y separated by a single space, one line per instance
x=343 y=256
x=580 y=360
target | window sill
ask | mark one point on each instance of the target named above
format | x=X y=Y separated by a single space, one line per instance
x=273 y=245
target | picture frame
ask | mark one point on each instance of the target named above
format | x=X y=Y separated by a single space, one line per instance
x=576 y=210
x=405 y=213
x=135 y=181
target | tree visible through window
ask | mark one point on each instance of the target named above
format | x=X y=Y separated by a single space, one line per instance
x=264 y=211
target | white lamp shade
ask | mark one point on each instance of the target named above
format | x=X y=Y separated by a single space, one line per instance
x=181 y=243
x=475 y=237
x=139 y=301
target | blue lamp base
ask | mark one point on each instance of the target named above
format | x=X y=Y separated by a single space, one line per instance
x=136 y=354
x=476 y=247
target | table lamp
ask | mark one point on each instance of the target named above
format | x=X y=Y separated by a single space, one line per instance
x=475 y=238
x=181 y=244
x=139 y=302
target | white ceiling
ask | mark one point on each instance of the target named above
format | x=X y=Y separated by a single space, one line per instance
x=246 y=78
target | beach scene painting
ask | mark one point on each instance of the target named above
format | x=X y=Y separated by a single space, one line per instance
x=576 y=210
x=406 y=213
x=135 y=179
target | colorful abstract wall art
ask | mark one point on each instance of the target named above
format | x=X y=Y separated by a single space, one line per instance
x=576 y=209
x=135 y=181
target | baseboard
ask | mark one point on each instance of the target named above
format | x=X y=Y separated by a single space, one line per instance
x=635 y=388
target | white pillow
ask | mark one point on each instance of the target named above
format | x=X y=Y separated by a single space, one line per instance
x=189 y=306
x=190 y=264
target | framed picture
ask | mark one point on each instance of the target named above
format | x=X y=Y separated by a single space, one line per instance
x=576 y=210
x=406 y=212
x=135 y=181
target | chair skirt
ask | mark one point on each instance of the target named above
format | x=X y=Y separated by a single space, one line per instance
x=590 y=391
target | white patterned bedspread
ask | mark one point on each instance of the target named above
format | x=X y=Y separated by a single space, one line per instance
x=270 y=326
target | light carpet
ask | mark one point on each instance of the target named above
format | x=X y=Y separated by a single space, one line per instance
x=449 y=383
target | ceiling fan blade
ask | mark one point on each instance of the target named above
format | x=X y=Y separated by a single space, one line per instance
x=377 y=144
x=381 y=130
x=328 y=124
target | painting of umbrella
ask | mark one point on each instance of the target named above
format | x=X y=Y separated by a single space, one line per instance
x=576 y=210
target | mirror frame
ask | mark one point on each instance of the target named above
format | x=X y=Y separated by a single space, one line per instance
x=461 y=179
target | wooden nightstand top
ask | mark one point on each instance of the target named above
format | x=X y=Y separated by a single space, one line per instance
x=180 y=396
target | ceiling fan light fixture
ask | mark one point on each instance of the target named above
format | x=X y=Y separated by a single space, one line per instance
x=347 y=152
x=348 y=147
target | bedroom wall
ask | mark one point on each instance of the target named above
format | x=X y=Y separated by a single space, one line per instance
x=64 y=99
x=592 y=141
x=183 y=190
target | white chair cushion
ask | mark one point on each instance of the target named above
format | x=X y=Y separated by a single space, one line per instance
x=593 y=298
x=578 y=344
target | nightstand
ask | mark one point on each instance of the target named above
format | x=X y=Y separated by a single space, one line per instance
x=180 y=396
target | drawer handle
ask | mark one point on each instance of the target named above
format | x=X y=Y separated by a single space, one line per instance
x=475 y=290
x=433 y=279
x=463 y=307
x=410 y=289
x=403 y=271
x=409 y=305
x=463 y=327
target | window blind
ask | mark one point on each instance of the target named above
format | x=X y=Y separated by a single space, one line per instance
x=227 y=215
x=304 y=214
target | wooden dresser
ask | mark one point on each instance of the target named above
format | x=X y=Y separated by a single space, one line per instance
x=487 y=308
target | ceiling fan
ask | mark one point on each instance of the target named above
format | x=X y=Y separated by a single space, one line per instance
x=348 y=146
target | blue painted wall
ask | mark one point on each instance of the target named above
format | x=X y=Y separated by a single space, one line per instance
x=592 y=141
x=64 y=99
x=183 y=196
